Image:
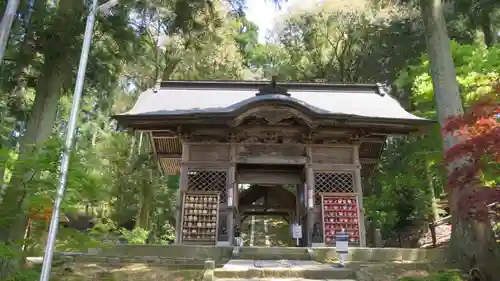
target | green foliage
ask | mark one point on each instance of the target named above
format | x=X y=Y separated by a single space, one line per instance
x=72 y=240
x=401 y=199
x=112 y=176
x=401 y=168
x=476 y=66
x=348 y=44
x=135 y=237
x=12 y=253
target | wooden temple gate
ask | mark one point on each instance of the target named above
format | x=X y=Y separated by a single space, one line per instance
x=218 y=135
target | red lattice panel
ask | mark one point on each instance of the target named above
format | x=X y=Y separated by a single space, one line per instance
x=340 y=212
x=332 y=182
x=208 y=181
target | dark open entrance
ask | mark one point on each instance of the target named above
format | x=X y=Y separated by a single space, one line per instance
x=270 y=200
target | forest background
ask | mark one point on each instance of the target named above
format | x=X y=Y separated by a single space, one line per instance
x=113 y=176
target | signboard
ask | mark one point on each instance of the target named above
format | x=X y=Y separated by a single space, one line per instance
x=297 y=231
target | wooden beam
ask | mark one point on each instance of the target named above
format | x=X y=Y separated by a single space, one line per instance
x=263 y=210
x=170 y=155
x=165 y=134
x=334 y=167
x=268 y=213
x=273 y=160
x=368 y=161
x=373 y=139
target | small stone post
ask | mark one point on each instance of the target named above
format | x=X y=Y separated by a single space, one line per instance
x=209 y=264
x=209 y=270
x=377 y=235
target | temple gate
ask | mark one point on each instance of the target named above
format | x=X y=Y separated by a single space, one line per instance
x=322 y=139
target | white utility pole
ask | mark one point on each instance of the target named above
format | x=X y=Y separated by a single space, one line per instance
x=6 y=25
x=70 y=135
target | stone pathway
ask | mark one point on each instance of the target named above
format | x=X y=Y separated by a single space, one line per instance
x=252 y=232
x=266 y=233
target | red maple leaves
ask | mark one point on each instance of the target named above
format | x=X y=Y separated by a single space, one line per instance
x=478 y=151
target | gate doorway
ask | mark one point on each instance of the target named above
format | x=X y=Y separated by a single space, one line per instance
x=266 y=231
x=270 y=200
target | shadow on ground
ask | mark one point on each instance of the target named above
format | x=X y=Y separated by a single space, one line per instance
x=131 y=272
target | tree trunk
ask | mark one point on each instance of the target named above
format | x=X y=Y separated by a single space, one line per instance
x=470 y=240
x=146 y=199
x=490 y=37
x=432 y=191
x=488 y=29
x=39 y=128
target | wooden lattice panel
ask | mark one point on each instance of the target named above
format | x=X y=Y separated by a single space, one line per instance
x=208 y=181
x=170 y=166
x=332 y=182
x=168 y=145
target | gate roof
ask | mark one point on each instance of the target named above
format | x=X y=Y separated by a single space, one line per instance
x=188 y=98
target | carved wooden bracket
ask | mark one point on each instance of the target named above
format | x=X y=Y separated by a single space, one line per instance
x=273 y=115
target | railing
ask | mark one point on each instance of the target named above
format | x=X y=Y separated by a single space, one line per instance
x=447 y=220
x=433 y=225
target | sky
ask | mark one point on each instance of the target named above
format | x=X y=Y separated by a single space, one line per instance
x=263 y=13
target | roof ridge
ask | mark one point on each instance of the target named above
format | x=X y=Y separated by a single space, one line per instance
x=252 y=84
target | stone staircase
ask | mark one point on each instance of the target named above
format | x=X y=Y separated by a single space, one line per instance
x=282 y=279
x=278 y=263
x=283 y=263
x=258 y=263
x=271 y=253
x=296 y=270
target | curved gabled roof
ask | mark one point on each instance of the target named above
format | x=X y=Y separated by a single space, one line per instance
x=178 y=98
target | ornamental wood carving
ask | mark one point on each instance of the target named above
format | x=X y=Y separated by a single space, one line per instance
x=193 y=137
x=332 y=155
x=273 y=115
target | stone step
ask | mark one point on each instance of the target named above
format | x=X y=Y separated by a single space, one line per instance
x=282 y=279
x=273 y=253
x=250 y=269
x=304 y=257
x=280 y=273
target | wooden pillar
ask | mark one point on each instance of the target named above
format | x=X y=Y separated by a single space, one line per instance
x=297 y=203
x=309 y=209
x=183 y=186
x=230 y=211
x=300 y=211
x=231 y=188
x=178 y=216
x=359 y=190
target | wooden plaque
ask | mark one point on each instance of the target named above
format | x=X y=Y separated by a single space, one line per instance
x=200 y=218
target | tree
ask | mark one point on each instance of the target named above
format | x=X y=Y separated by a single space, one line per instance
x=476 y=68
x=40 y=72
x=449 y=105
x=478 y=176
x=480 y=14
x=349 y=45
